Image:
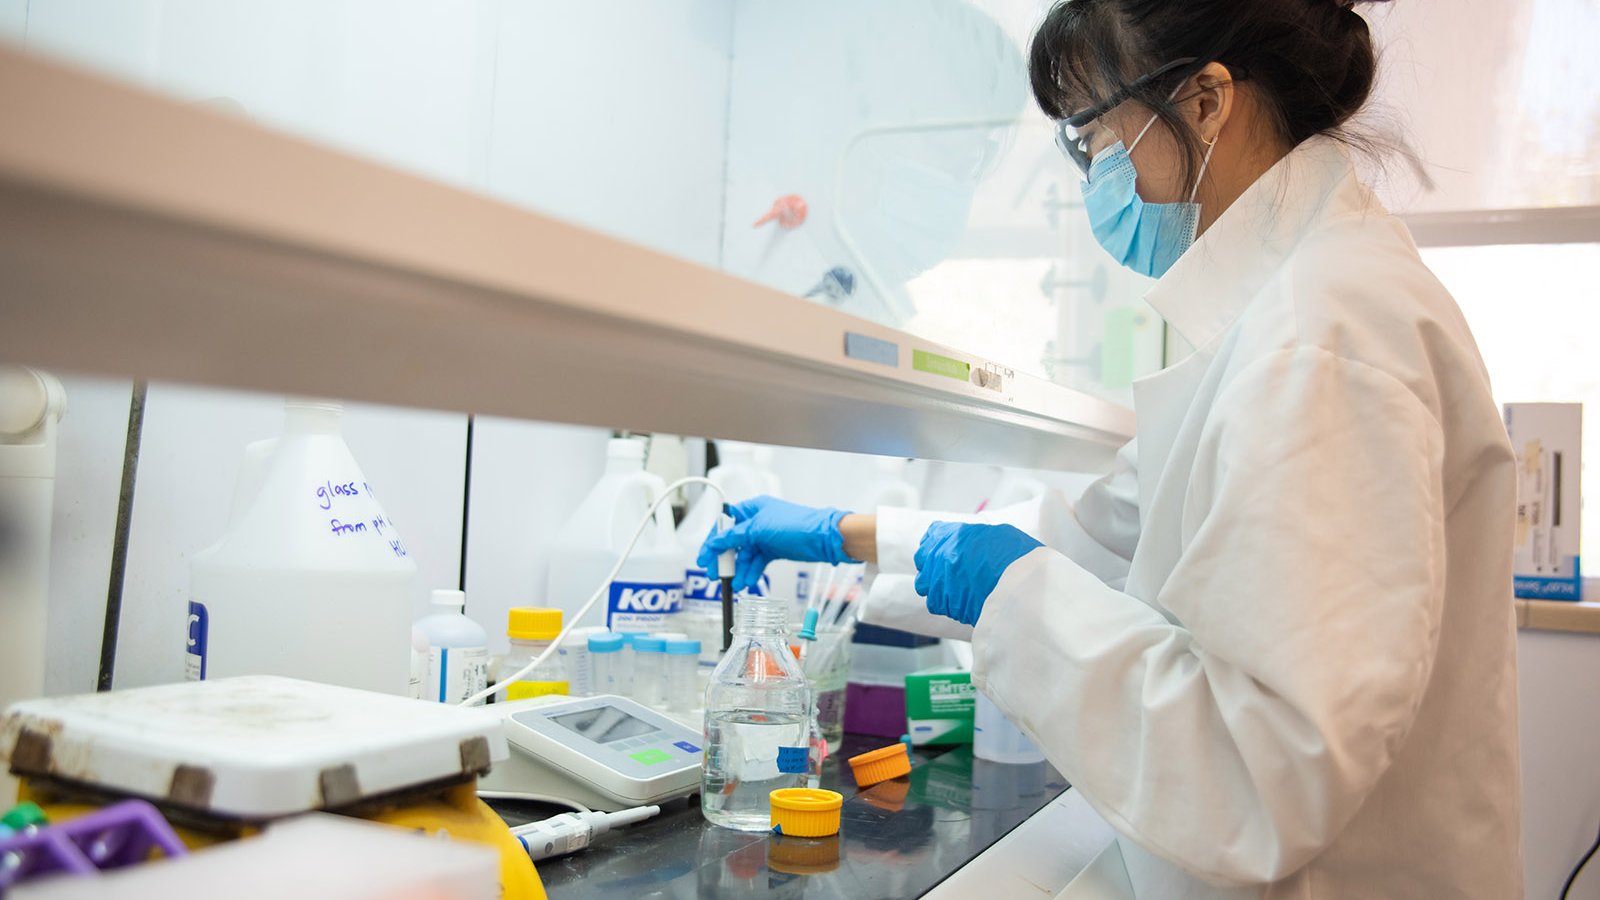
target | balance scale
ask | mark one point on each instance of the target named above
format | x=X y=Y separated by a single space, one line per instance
x=222 y=759
x=606 y=752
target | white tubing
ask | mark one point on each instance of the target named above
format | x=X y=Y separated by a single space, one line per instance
x=600 y=591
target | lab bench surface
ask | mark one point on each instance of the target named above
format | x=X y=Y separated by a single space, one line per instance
x=896 y=839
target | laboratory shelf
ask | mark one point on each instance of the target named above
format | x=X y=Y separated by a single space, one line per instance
x=145 y=237
x=896 y=839
x=1558 y=615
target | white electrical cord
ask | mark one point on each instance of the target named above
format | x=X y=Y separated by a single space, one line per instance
x=605 y=585
x=533 y=798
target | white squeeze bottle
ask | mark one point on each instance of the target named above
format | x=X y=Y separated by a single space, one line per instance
x=740 y=480
x=310 y=580
x=458 y=650
x=648 y=591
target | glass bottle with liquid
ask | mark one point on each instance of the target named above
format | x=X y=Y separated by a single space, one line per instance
x=531 y=630
x=758 y=720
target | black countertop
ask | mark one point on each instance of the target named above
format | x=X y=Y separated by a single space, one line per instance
x=896 y=839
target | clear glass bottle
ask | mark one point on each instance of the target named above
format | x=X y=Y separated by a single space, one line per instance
x=758 y=720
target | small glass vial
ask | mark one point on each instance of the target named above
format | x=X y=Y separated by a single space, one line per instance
x=605 y=663
x=531 y=630
x=650 y=671
x=683 y=675
x=758 y=720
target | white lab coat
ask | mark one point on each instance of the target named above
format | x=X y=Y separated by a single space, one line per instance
x=1275 y=648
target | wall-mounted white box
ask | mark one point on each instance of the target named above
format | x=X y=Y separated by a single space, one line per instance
x=1548 y=441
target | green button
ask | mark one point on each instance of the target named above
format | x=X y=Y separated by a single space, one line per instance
x=649 y=757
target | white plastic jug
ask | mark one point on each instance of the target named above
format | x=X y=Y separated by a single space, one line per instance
x=311 y=579
x=648 y=592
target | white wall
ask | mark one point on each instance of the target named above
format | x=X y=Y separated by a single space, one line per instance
x=527 y=477
x=13 y=18
x=89 y=458
x=612 y=114
x=1559 y=677
x=1522 y=75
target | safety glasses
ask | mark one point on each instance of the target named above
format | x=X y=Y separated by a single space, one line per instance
x=1075 y=134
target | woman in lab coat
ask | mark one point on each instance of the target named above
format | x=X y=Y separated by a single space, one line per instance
x=1274 y=648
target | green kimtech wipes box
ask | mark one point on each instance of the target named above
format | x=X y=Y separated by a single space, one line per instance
x=939 y=704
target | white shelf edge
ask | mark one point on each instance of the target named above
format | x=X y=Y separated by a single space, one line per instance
x=145 y=237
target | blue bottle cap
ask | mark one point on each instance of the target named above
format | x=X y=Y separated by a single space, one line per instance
x=683 y=648
x=644 y=643
x=808 y=631
x=605 y=643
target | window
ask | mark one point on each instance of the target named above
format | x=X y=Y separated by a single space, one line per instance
x=1535 y=311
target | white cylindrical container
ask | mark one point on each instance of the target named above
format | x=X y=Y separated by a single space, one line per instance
x=531 y=630
x=575 y=660
x=310 y=579
x=647 y=593
x=650 y=671
x=683 y=676
x=605 y=664
x=994 y=737
x=458 y=650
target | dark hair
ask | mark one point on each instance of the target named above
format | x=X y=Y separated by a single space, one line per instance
x=1311 y=61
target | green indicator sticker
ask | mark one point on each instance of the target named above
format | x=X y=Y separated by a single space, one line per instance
x=649 y=757
x=934 y=364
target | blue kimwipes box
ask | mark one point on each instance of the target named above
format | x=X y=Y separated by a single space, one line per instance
x=1547 y=438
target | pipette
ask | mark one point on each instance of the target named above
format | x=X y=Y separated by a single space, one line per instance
x=573 y=831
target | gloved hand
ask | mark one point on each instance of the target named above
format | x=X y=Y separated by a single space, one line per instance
x=959 y=565
x=766 y=529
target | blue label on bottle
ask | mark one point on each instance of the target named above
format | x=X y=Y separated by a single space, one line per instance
x=642 y=606
x=699 y=585
x=195 y=657
x=793 y=760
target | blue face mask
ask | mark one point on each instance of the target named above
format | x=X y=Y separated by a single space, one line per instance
x=1146 y=237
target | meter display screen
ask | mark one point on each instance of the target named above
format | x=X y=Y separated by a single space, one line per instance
x=604 y=725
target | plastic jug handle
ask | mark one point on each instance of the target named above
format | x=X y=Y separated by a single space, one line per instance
x=643 y=481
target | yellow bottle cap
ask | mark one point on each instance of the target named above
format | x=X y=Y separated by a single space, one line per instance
x=534 y=623
x=805 y=812
x=880 y=765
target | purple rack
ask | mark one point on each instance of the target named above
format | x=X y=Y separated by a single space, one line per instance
x=116 y=836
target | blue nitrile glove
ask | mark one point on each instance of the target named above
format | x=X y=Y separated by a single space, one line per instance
x=959 y=565
x=766 y=529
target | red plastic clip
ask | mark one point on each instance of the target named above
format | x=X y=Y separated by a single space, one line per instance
x=789 y=211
